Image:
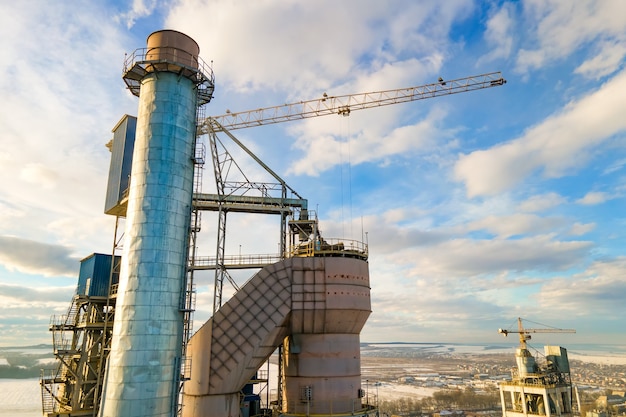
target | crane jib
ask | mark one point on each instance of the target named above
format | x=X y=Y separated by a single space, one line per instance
x=343 y=105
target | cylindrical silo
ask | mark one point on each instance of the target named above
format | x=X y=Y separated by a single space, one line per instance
x=322 y=359
x=144 y=363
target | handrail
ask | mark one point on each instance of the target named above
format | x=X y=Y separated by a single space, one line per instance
x=330 y=247
x=170 y=54
x=320 y=247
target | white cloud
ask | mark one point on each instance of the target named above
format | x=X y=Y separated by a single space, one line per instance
x=139 y=9
x=38 y=174
x=517 y=224
x=499 y=34
x=593 y=198
x=541 y=202
x=466 y=257
x=557 y=145
x=322 y=150
x=579 y=229
x=57 y=111
x=326 y=41
x=599 y=291
x=563 y=26
x=606 y=62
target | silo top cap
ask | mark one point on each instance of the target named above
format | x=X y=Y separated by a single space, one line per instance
x=173 y=39
x=173 y=47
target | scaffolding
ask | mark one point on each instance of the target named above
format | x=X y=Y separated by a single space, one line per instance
x=81 y=340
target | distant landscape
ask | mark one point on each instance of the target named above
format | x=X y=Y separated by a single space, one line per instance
x=21 y=362
x=424 y=374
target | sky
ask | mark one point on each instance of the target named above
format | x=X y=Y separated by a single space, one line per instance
x=478 y=208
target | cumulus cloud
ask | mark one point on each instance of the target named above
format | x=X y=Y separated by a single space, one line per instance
x=517 y=224
x=593 y=197
x=605 y=63
x=36 y=257
x=37 y=173
x=579 y=229
x=138 y=10
x=499 y=34
x=562 y=27
x=292 y=36
x=554 y=147
x=62 y=94
x=541 y=202
x=25 y=312
x=599 y=290
x=467 y=257
x=322 y=150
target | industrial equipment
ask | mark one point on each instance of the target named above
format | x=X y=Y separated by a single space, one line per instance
x=310 y=302
x=537 y=388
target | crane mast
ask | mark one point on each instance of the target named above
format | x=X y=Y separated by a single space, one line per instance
x=343 y=105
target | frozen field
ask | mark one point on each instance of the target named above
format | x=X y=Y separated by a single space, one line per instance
x=20 y=398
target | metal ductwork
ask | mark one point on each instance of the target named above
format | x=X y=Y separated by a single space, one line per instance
x=315 y=307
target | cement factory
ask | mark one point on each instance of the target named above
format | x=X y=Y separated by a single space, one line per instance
x=127 y=348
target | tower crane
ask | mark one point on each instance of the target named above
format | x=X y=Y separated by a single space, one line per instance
x=344 y=104
x=524 y=334
x=341 y=105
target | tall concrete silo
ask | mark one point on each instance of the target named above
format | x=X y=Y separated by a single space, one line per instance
x=142 y=377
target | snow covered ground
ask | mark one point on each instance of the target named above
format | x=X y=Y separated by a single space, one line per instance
x=20 y=398
x=608 y=358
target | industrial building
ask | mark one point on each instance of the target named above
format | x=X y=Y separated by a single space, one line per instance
x=126 y=348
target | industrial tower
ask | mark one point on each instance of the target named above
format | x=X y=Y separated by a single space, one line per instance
x=538 y=389
x=310 y=301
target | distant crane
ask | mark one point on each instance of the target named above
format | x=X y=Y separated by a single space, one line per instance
x=524 y=334
x=341 y=105
x=538 y=389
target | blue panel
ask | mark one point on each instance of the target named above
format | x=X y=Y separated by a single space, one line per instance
x=121 y=162
x=95 y=272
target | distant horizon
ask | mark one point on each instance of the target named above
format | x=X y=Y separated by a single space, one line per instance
x=619 y=346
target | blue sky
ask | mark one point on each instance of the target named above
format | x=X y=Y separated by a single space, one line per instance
x=478 y=208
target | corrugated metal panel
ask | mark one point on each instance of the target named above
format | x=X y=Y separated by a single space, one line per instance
x=557 y=355
x=121 y=162
x=93 y=279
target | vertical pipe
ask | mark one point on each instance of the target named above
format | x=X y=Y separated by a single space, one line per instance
x=143 y=367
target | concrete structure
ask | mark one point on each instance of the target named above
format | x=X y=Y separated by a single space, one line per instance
x=538 y=389
x=142 y=377
x=315 y=307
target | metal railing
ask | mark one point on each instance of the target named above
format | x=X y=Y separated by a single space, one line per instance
x=323 y=247
x=349 y=407
x=330 y=247
x=237 y=261
x=167 y=58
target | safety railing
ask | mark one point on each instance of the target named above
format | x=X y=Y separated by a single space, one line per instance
x=337 y=407
x=237 y=261
x=167 y=58
x=330 y=247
